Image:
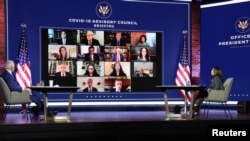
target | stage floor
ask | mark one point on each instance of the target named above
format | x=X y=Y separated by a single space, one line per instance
x=118 y=125
x=119 y=116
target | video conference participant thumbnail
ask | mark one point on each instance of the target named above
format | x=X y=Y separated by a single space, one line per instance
x=117 y=69
x=90 y=69
x=90 y=53
x=117 y=85
x=86 y=83
x=62 y=52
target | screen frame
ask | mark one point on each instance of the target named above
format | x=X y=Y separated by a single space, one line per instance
x=146 y=88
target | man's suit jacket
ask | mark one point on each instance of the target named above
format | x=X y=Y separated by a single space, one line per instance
x=114 y=43
x=93 y=89
x=14 y=86
x=59 y=74
x=87 y=57
x=11 y=81
x=95 y=42
x=143 y=75
x=68 y=42
x=115 y=57
x=114 y=90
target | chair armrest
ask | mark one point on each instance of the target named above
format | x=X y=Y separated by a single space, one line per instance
x=20 y=97
x=216 y=96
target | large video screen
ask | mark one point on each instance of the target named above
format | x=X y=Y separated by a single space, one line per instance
x=106 y=60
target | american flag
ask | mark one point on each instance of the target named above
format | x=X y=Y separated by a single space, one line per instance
x=23 y=73
x=183 y=70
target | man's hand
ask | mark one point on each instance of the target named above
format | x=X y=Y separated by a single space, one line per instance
x=209 y=90
x=28 y=90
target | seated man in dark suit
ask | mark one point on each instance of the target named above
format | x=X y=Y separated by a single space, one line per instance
x=118 y=86
x=9 y=76
x=64 y=39
x=141 y=73
x=118 y=41
x=90 y=87
x=91 y=56
x=118 y=55
x=63 y=72
x=90 y=40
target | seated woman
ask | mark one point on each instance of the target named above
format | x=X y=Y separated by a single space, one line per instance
x=117 y=70
x=216 y=84
x=143 y=41
x=144 y=56
x=63 y=55
x=91 y=71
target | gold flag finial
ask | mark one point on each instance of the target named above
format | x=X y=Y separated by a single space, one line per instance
x=23 y=25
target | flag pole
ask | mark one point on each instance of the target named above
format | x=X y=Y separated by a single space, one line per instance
x=23 y=66
x=183 y=69
x=23 y=72
x=184 y=32
x=186 y=54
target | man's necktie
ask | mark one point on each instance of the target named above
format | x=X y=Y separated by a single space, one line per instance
x=118 y=43
x=90 y=90
x=118 y=57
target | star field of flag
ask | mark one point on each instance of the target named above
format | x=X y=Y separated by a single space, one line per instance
x=23 y=56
